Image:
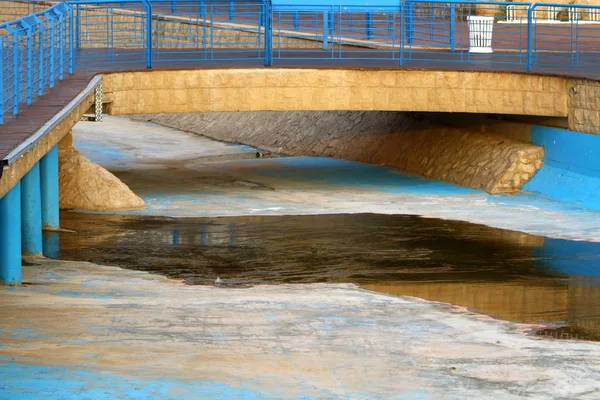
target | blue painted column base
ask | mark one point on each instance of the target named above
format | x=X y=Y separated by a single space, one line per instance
x=31 y=211
x=49 y=182
x=10 y=237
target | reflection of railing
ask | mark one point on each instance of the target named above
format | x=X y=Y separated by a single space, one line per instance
x=519 y=36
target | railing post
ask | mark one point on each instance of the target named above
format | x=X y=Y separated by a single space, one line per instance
x=41 y=61
x=530 y=37
x=231 y=10
x=52 y=77
x=325 y=30
x=401 y=35
x=76 y=25
x=369 y=25
x=72 y=28
x=268 y=22
x=148 y=6
x=408 y=9
x=452 y=27
x=29 y=67
x=16 y=89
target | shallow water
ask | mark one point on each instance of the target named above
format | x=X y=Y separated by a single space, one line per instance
x=506 y=274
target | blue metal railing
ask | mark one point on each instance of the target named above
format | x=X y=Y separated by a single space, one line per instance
x=35 y=51
x=38 y=49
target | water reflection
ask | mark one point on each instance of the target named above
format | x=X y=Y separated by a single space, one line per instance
x=510 y=275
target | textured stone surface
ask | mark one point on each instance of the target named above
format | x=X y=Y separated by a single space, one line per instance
x=479 y=160
x=87 y=186
x=273 y=89
x=584 y=106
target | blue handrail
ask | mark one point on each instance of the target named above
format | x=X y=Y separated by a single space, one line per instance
x=36 y=50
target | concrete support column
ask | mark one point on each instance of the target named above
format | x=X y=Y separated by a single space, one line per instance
x=31 y=211
x=10 y=236
x=49 y=186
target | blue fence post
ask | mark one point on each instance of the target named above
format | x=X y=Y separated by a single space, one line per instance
x=52 y=45
x=401 y=36
x=268 y=22
x=1 y=81
x=31 y=212
x=71 y=44
x=296 y=20
x=325 y=30
x=452 y=27
x=29 y=67
x=41 y=61
x=530 y=37
x=231 y=10
x=49 y=187
x=76 y=25
x=16 y=88
x=148 y=6
x=369 y=25
x=173 y=7
x=408 y=9
x=10 y=236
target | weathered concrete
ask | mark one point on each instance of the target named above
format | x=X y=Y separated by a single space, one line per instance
x=286 y=341
x=479 y=160
x=180 y=174
x=88 y=186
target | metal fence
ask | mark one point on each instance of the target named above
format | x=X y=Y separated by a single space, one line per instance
x=35 y=52
x=486 y=35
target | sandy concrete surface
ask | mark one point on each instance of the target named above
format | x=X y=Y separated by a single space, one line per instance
x=81 y=329
x=180 y=174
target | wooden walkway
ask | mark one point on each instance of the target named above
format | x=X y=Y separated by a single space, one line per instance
x=31 y=118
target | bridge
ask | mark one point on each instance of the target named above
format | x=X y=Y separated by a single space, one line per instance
x=62 y=60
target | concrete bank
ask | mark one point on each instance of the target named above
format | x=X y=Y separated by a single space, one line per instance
x=465 y=157
x=180 y=174
x=81 y=327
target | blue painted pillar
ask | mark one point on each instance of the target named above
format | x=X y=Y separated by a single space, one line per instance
x=10 y=237
x=31 y=212
x=49 y=185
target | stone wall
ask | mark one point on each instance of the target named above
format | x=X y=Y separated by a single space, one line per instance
x=479 y=160
x=584 y=106
x=272 y=89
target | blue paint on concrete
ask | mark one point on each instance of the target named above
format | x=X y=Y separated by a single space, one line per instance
x=31 y=212
x=349 y=173
x=571 y=171
x=24 y=333
x=84 y=294
x=49 y=185
x=10 y=239
x=104 y=154
x=25 y=382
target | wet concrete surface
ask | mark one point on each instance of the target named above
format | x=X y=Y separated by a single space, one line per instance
x=224 y=296
x=81 y=330
x=506 y=274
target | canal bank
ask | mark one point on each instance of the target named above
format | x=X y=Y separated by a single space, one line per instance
x=83 y=329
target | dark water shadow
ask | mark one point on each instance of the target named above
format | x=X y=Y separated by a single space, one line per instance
x=509 y=275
